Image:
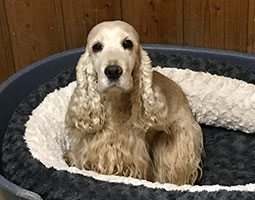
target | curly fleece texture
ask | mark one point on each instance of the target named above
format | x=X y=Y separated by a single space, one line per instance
x=227 y=162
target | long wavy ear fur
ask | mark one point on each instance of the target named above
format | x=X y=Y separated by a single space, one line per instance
x=149 y=108
x=86 y=111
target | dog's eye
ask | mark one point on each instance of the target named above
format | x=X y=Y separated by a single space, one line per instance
x=127 y=44
x=97 y=47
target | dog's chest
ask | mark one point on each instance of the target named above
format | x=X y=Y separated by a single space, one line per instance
x=118 y=109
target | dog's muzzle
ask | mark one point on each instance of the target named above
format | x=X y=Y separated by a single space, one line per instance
x=113 y=72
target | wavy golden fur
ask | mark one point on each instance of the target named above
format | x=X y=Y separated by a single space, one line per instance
x=140 y=124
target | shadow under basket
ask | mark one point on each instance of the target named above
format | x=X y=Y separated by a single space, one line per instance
x=228 y=167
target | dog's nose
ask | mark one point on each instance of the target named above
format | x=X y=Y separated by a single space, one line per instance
x=113 y=72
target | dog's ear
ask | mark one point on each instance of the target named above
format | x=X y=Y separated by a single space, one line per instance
x=86 y=111
x=149 y=107
x=145 y=82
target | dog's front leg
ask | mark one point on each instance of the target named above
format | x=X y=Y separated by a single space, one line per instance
x=118 y=153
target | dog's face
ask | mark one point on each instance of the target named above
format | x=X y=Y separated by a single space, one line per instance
x=113 y=50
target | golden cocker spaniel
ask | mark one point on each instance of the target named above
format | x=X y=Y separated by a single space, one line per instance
x=126 y=119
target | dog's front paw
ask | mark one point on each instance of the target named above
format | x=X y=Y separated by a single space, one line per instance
x=69 y=158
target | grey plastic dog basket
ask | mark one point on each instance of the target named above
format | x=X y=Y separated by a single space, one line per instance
x=18 y=86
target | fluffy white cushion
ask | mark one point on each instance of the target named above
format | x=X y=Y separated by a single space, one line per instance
x=214 y=100
x=217 y=100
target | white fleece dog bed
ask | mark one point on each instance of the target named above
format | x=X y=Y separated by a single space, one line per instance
x=215 y=100
x=37 y=127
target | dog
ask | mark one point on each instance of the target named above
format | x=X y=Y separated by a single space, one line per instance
x=126 y=119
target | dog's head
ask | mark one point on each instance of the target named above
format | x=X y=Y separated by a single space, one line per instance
x=114 y=61
x=113 y=49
